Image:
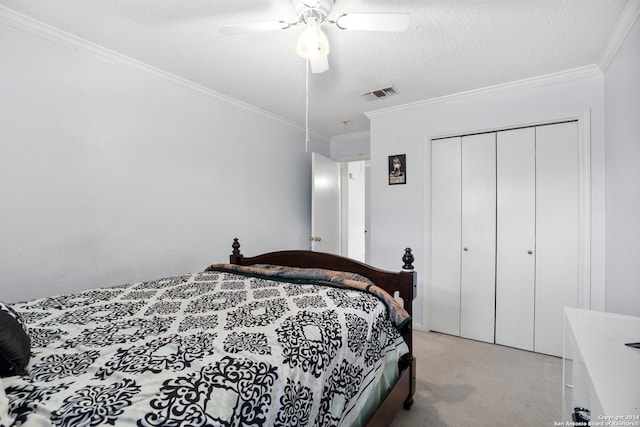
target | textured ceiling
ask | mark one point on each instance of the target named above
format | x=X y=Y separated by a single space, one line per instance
x=451 y=46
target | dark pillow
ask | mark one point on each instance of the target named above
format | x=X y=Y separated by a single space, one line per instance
x=15 y=345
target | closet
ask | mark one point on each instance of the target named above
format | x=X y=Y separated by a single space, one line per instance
x=505 y=235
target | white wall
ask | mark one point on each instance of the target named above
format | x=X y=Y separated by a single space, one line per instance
x=399 y=212
x=350 y=147
x=622 y=131
x=110 y=175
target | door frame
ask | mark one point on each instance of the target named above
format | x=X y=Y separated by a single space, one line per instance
x=583 y=117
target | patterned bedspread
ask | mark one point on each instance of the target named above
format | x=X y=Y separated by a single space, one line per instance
x=206 y=349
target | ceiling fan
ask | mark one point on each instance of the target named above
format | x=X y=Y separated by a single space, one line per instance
x=313 y=43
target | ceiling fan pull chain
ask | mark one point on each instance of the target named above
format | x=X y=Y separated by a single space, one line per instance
x=306 y=112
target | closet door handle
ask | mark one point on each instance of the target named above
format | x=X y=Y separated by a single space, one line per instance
x=530 y=252
x=465 y=249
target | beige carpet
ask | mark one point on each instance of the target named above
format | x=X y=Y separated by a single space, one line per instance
x=462 y=382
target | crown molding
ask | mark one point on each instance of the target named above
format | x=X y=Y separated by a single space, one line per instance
x=546 y=79
x=60 y=37
x=626 y=21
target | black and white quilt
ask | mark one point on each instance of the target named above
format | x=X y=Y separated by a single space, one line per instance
x=206 y=349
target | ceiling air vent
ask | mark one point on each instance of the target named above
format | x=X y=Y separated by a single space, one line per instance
x=379 y=93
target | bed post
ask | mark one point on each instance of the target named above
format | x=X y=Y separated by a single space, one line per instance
x=235 y=256
x=407 y=259
x=408 y=361
x=407 y=268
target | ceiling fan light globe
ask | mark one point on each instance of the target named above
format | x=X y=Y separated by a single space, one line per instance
x=313 y=43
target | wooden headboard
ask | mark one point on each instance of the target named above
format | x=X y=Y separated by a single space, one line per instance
x=401 y=284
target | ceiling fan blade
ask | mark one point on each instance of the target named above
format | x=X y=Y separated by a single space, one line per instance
x=374 y=21
x=319 y=65
x=232 y=30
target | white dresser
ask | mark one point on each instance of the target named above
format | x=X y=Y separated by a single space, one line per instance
x=601 y=374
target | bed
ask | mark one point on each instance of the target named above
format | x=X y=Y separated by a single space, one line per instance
x=288 y=338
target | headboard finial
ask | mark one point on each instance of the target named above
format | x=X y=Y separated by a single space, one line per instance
x=407 y=258
x=236 y=246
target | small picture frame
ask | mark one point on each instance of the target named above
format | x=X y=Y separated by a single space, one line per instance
x=398 y=169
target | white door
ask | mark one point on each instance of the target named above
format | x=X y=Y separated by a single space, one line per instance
x=506 y=235
x=446 y=184
x=477 y=278
x=515 y=234
x=463 y=236
x=557 y=232
x=325 y=205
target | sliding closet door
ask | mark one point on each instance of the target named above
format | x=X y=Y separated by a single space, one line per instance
x=557 y=231
x=477 y=281
x=445 y=232
x=516 y=233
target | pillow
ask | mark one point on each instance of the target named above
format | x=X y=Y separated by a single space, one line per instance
x=15 y=345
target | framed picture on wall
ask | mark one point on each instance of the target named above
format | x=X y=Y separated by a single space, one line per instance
x=398 y=169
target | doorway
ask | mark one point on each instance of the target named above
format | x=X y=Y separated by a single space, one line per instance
x=339 y=207
x=355 y=214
